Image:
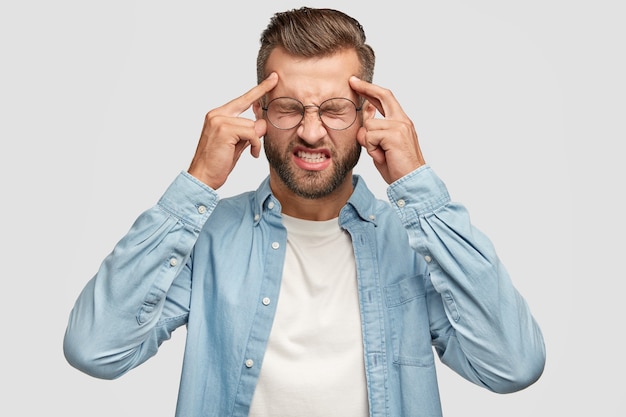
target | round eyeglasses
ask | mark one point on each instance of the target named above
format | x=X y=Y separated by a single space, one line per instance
x=337 y=113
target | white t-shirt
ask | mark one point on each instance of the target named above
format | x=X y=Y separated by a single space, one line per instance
x=314 y=365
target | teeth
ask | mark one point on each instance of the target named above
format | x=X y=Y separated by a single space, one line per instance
x=312 y=157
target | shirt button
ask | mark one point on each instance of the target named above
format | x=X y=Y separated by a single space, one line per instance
x=266 y=301
x=249 y=363
x=202 y=209
x=372 y=217
x=256 y=217
x=428 y=258
x=173 y=262
x=401 y=203
x=270 y=205
x=275 y=245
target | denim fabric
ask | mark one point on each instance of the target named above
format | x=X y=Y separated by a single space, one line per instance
x=426 y=279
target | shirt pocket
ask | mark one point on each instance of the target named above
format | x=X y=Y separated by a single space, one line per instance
x=410 y=328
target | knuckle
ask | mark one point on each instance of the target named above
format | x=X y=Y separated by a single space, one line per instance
x=387 y=93
x=210 y=115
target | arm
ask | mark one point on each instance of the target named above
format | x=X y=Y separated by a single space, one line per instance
x=480 y=325
x=141 y=292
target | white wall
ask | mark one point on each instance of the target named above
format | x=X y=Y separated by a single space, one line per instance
x=520 y=109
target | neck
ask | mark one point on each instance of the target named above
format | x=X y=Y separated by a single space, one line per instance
x=318 y=209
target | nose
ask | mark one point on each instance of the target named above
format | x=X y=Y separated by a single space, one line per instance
x=311 y=128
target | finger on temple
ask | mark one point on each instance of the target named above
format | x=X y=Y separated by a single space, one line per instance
x=243 y=102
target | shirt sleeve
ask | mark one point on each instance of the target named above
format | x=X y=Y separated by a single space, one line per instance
x=480 y=324
x=141 y=292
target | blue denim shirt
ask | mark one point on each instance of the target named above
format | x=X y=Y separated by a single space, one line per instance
x=426 y=278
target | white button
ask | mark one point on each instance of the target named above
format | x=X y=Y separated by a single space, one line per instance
x=275 y=245
x=256 y=217
x=270 y=205
x=249 y=363
x=428 y=258
x=372 y=217
x=401 y=203
x=202 y=209
x=173 y=262
x=266 y=301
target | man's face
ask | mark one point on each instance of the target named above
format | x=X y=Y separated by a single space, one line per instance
x=312 y=160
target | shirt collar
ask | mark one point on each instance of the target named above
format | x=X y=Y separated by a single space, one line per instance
x=361 y=203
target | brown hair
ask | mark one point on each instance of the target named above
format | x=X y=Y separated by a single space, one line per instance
x=311 y=32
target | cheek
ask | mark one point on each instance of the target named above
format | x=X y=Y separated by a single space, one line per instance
x=277 y=141
x=346 y=141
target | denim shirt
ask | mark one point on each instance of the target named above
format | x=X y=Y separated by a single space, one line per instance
x=426 y=278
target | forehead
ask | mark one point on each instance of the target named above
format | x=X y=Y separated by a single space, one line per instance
x=311 y=80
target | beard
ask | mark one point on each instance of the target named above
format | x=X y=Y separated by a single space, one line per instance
x=310 y=184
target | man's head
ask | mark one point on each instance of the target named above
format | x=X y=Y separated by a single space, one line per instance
x=312 y=114
x=308 y=33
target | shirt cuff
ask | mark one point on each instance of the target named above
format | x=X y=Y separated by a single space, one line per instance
x=417 y=194
x=190 y=200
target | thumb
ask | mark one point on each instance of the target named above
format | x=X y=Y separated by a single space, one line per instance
x=260 y=127
x=360 y=137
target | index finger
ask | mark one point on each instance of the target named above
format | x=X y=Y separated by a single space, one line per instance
x=243 y=102
x=382 y=98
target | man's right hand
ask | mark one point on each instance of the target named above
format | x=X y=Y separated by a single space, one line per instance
x=225 y=135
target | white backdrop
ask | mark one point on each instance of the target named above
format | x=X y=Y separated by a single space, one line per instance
x=519 y=107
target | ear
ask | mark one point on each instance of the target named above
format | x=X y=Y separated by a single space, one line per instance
x=368 y=109
x=258 y=111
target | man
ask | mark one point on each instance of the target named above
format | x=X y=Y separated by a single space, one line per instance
x=309 y=297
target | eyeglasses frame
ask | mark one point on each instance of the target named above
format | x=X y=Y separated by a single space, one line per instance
x=319 y=112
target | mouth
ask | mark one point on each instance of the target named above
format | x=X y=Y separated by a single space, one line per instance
x=312 y=160
x=312 y=157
